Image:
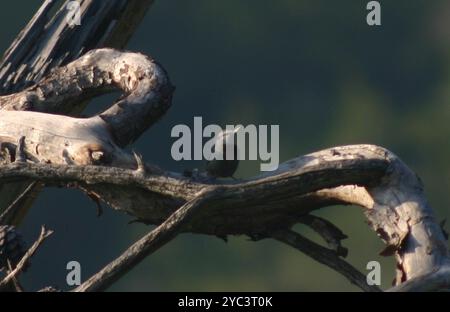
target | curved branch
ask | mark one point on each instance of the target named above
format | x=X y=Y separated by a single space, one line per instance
x=298 y=187
x=47 y=42
x=366 y=175
x=145 y=84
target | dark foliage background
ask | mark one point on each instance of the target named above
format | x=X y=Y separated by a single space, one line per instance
x=312 y=66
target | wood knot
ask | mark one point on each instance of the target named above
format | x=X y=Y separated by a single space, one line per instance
x=92 y=154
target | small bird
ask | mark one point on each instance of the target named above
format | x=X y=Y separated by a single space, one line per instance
x=224 y=168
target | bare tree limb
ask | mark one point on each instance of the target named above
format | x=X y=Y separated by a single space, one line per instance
x=157 y=238
x=147 y=96
x=246 y=207
x=387 y=190
x=48 y=42
x=15 y=281
x=390 y=193
x=94 y=140
x=328 y=231
x=323 y=255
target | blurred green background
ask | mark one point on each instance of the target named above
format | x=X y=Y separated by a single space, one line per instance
x=313 y=67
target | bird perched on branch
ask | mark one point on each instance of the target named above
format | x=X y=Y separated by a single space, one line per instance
x=226 y=167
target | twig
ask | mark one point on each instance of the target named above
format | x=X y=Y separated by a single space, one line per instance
x=151 y=242
x=324 y=256
x=20 y=266
x=328 y=231
x=16 y=283
x=49 y=289
x=17 y=204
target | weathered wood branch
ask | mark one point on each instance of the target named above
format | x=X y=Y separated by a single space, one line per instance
x=371 y=177
x=157 y=238
x=147 y=96
x=175 y=224
x=95 y=140
x=331 y=234
x=49 y=41
x=365 y=175
x=296 y=189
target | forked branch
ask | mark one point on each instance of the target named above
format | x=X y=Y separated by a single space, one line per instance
x=364 y=175
x=369 y=176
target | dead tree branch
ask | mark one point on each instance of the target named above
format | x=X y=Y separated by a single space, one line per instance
x=366 y=175
x=157 y=238
x=144 y=83
x=53 y=77
x=49 y=41
x=96 y=140
x=23 y=262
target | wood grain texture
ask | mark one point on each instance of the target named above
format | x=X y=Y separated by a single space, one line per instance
x=48 y=42
x=366 y=175
x=48 y=71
